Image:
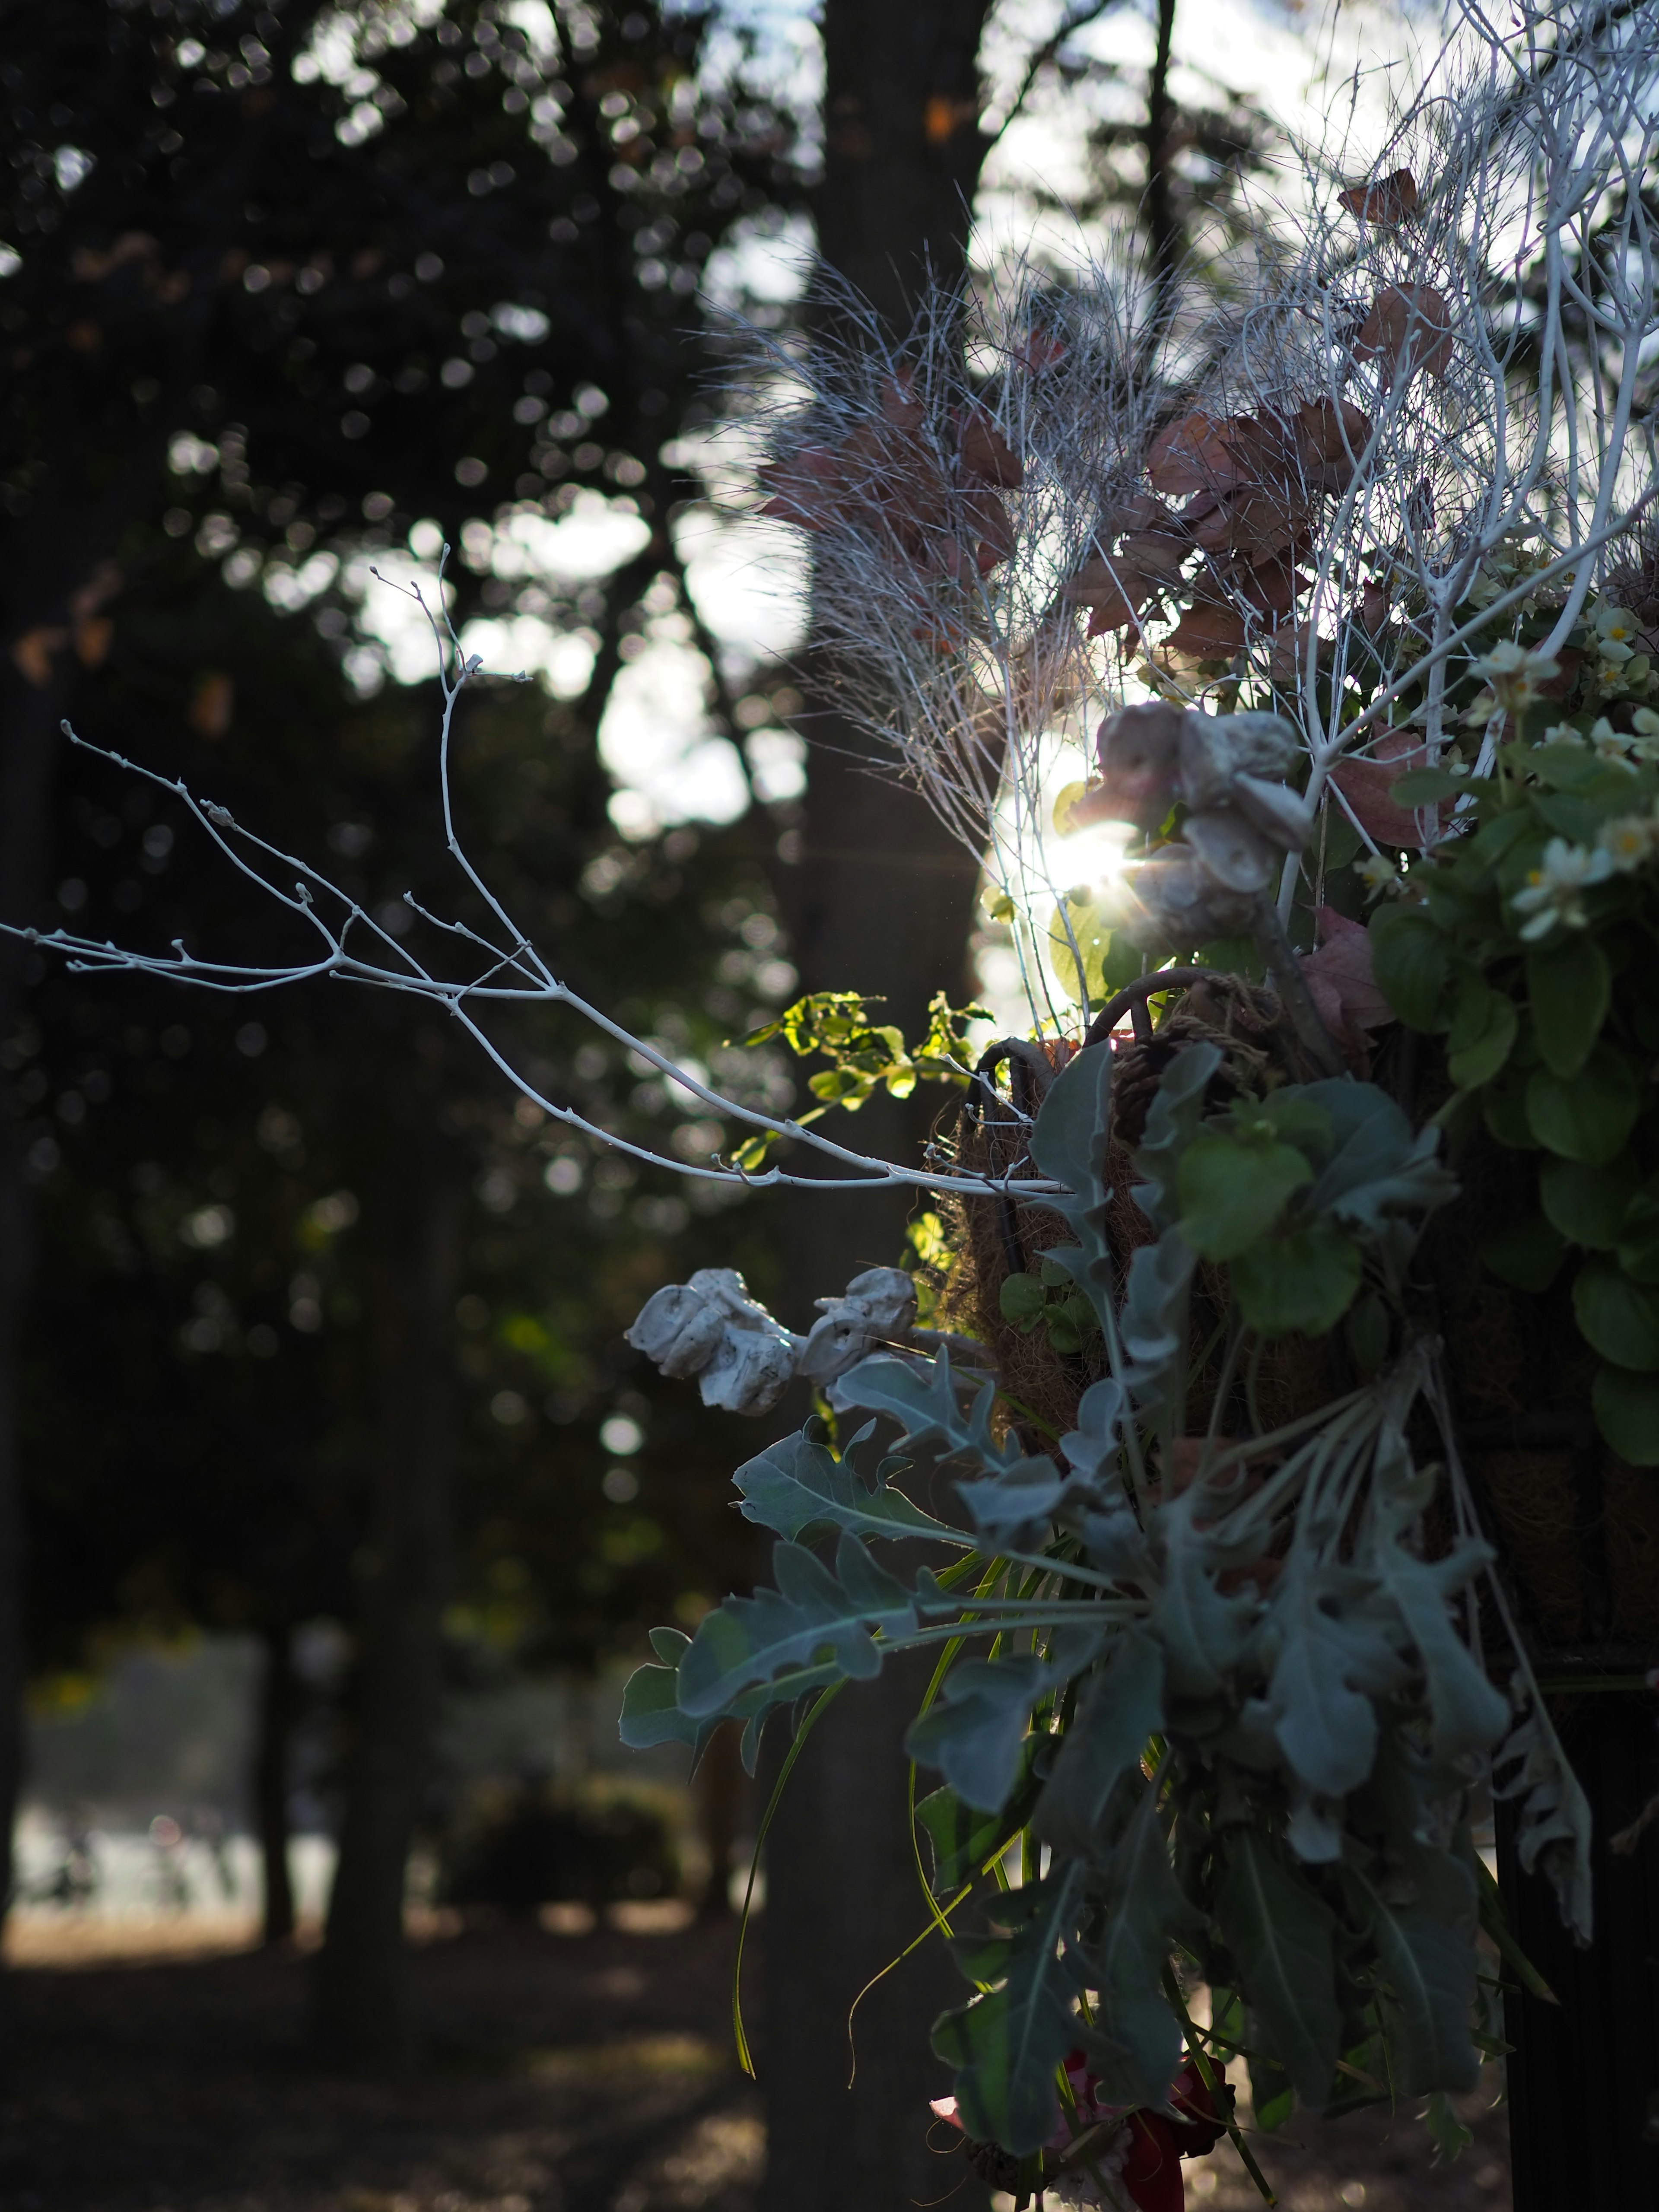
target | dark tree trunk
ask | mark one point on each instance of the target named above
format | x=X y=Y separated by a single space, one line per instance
x=29 y=714
x=1584 y=2078
x=881 y=901
x=363 y=1997
x=279 y=1701
x=720 y=1802
x=50 y=589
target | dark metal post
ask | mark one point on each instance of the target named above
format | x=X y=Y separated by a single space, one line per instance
x=1584 y=2079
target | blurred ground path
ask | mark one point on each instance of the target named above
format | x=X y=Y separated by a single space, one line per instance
x=566 y=2073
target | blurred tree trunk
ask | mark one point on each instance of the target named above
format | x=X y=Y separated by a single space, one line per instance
x=279 y=1702
x=719 y=1804
x=881 y=901
x=29 y=713
x=363 y=1999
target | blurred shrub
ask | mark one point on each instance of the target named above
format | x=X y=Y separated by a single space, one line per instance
x=520 y=1845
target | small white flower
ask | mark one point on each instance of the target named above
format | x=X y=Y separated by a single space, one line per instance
x=1379 y=875
x=1553 y=896
x=1562 y=733
x=1616 y=626
x=1609 y=746
x=1646 y=721
x=1630 y=841
x=1514 y=673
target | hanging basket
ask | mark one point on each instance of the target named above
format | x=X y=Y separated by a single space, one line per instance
x=1000 y=1236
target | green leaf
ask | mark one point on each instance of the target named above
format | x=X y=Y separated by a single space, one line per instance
x=1526 y=1255
x=1483 y=1026
x=1587 y=1117
x=1587 y=1205
x=1637 y=1238
x=1271 y=2092
x=1616 y=1318
x=1571 y=987
x=651 y=1709
x=963 y=1837
x=1449 y=2135
x=799 y=1488
x=1379 y=1162
x=1068 y=1140
x=1120 y=1709
x=1281 y=1933
x=1334 y=1655
x=1427 y=1949
x=1134 y=2044
x=748 y=1640
x=1007 y=2046
x=973 y=1733
x=1232 y=1192
x=1627 y=1413
x=1304 y=1281
x=1020 y=1299
x=1176 y=1112
x=1411 y=962
x=1153 y=1327
x=1505 y=1115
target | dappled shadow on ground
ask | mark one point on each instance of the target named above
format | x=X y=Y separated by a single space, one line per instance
x=562 y=2074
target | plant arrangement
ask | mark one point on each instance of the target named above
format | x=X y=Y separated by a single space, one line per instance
x=1283 y=653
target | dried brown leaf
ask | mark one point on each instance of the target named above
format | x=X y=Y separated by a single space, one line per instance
x=1390 y=200
x=1413 y=316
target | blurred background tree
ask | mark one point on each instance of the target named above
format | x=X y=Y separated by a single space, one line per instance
x=284 y=281
x=288 y=288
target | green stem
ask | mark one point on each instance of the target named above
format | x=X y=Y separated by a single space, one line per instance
x=1222 y=2105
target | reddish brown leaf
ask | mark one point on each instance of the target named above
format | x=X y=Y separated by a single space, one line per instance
x=988 y=514
x=1413 y=315
x=1366 y=785
x=1390 y=200
x=1342 y=986
x=987 y=457
x=1559 y=686
x=802 y=490
x=1288 y=656
x=1115 y=590
x=212 y=704
x=1039 y=349
x=1269 y=586
x=1374 y=605
x=93 y=639
x=1156 y=552
x=1185 y=455
x=1210 y=632
x=34 y=651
